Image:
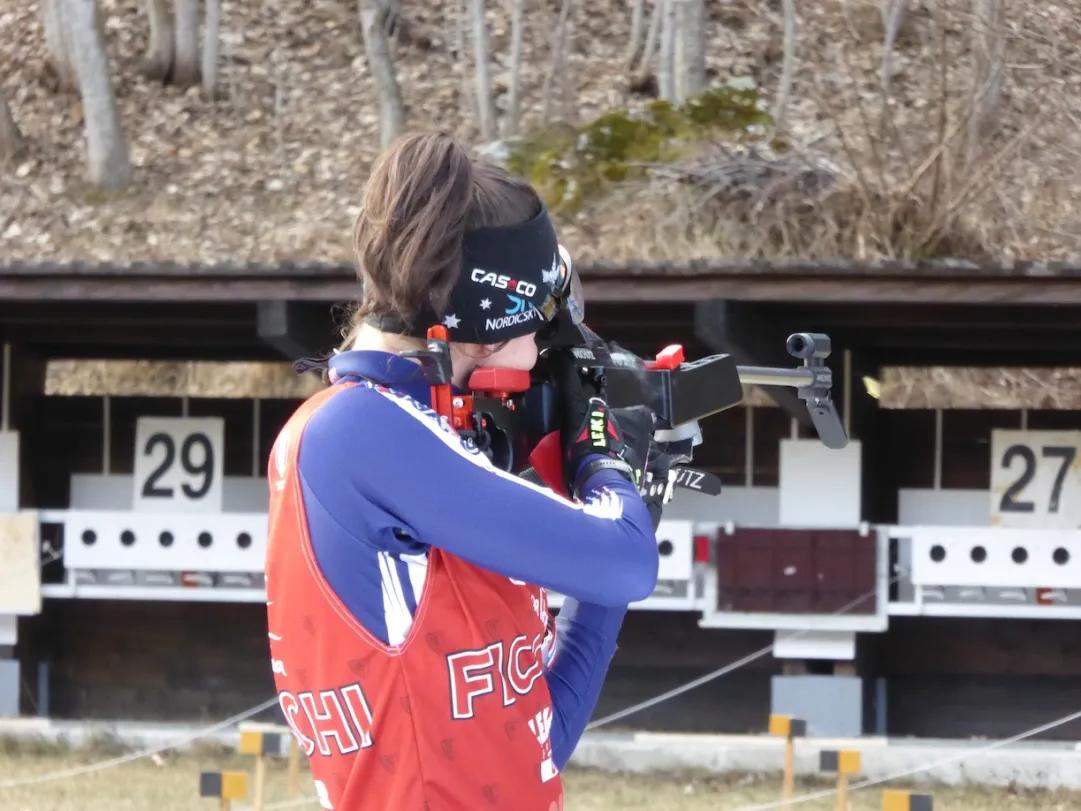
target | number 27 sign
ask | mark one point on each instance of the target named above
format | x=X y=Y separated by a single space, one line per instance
x=178 y=464
x=1036 y=479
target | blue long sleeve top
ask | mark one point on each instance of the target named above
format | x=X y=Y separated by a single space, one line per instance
x=380 y=487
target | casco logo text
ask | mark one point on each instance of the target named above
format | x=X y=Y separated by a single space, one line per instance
x=481 y=276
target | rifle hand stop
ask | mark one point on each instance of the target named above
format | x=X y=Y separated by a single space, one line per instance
x=812 y=383
x=813 y=348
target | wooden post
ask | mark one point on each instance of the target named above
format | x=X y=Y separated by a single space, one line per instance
x=788 y=728
x=844 y=763
x=294 y=769
x=788 y=785
x=259 y=743
x=260 y=782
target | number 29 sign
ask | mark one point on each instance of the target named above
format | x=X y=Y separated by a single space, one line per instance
x=178 y=464
x=1036 y=479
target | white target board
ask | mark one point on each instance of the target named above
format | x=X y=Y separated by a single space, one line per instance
x=1036 y=479
x=179 y=464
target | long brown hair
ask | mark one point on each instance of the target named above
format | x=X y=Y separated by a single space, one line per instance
x=424 y=192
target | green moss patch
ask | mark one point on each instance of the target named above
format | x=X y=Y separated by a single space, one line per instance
x=571 y=166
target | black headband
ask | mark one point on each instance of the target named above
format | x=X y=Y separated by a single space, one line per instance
x=510 y=276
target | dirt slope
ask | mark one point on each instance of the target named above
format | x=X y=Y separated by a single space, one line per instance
x=274 y=170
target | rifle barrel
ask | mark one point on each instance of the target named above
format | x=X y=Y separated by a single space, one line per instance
x=771 y=376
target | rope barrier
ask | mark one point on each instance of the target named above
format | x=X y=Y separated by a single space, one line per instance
x=89 y=768
x=863 y=784
x=929 y=766
x=210 y=730
x=726 y=669
x=289 y=804
x=698 y=682
x=119 y=761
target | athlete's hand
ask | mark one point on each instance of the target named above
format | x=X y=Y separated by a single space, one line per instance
x=657 y=483
x=589 y=428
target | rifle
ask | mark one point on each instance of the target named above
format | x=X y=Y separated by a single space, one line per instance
x=512 y=415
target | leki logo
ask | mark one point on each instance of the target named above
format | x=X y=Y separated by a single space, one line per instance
x=500 y=282
x=596 y=429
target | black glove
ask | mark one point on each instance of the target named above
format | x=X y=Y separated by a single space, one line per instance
x=657 y=482
x=588 y=427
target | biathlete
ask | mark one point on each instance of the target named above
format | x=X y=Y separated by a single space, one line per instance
x=411 y=644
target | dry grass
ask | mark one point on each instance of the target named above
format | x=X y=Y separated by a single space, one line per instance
x=171 y=785
x=1006 y=388
x=124 y=378
x=871 y=171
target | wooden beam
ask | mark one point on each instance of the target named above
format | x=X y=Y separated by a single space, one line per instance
x=930 y=315
x=839 y=282
x=734 y=328
x=839 y=289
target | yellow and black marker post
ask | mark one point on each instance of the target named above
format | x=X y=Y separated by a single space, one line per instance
x=226 y=786
x=907 y=801
x=789 y=728
x=259 y=743
x=844 y=763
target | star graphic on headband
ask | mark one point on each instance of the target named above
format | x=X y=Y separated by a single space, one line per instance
x=485 y=303
x=552 y=276
x=451 y=321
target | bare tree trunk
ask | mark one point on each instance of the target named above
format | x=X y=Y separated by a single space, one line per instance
x=788 y=66
x=666 y=74
x=893 y=14
x=555 y=58
x=211 y=45
x=469 y=101
x=381 y=66
x=108 y=165
x=485 y=105
x=158 y=62
x=514 y=100
x=568 y=78
x=186 y=43
x=57 y=43
x=634 y=41
x=989 y=68
x=12 y=142
x=690 y=48
x=392 y=20
x=650 y=48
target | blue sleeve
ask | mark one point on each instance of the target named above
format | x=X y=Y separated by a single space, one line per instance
x=585 y=644
x=370 y=447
